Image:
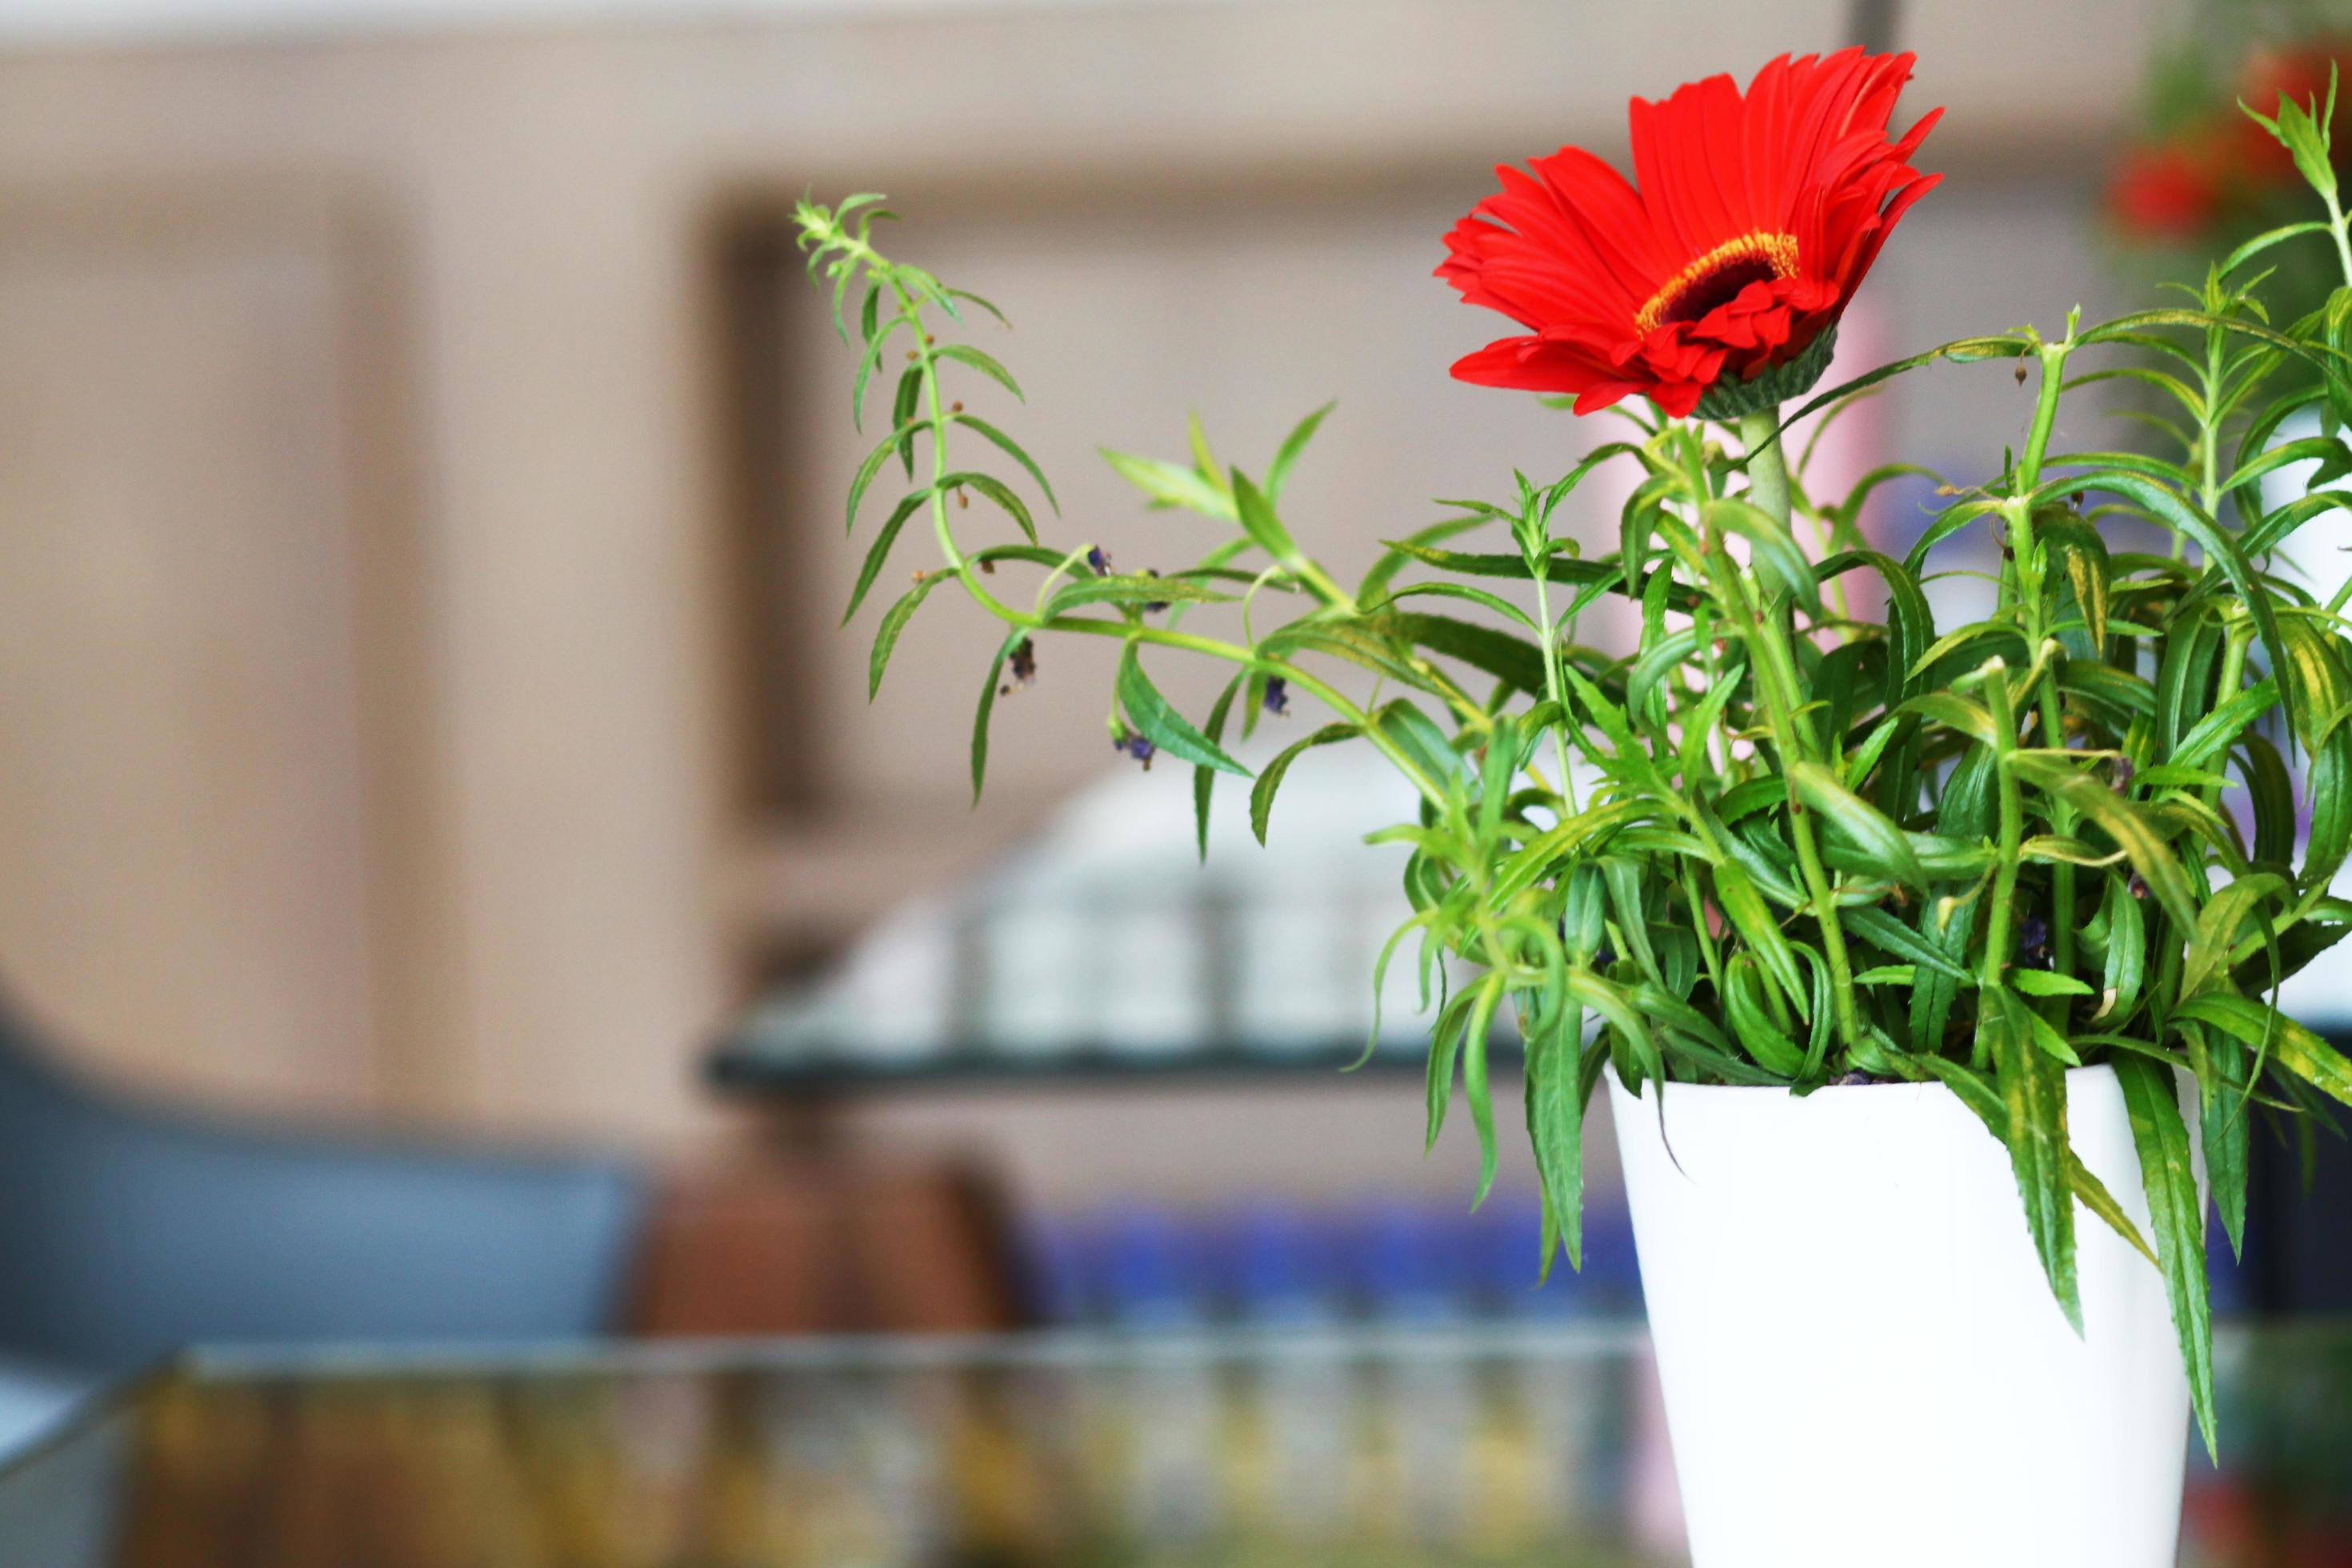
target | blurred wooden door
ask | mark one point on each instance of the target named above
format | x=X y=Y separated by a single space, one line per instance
x=188 y=879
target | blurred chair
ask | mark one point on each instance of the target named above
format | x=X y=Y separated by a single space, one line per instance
x=128 y=1231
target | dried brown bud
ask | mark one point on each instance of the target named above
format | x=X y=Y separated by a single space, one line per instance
x=2020 y=372
x=957 y=406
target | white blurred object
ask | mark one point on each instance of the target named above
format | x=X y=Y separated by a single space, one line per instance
x=1107 y=931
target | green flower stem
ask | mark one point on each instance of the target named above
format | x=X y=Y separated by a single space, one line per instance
x=2053 y=358
x=2335 y=230
x=2029 y=574
x=1707 y=947
x=1768 y=465
x=2001 y=913
x=1767 y=637
x=1540 y=568
x=2240 y=635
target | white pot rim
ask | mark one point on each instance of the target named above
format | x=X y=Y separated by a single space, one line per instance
x=1832 y=1092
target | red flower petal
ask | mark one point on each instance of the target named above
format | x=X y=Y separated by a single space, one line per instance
x=1752 y=219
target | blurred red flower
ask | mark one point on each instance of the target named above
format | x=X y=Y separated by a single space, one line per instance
x=1756 y=217
x=2168 y=191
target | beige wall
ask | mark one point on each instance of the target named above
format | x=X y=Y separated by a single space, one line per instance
x=371 y=677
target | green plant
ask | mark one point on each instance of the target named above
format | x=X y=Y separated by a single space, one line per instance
x=1781 y=841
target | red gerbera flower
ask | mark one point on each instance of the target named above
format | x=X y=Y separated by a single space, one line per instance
x=1756 y=218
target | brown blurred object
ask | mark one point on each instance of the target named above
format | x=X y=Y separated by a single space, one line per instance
x=809 y=1243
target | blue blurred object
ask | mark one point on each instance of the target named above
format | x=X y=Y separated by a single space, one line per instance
x=1276 y=1263
x=1056 y=1254
x=1611 y=1277
x=1408 y=1263
x=1281 y=1267
x=2230 y=1281
x=1152 y=1270
x=130 y=1232
x=1506 y=1237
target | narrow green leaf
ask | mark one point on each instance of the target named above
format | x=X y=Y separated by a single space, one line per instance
x=2222 y=553
x=2177 y=1217
x=1556 y=1125
x=1735 y=895
x=2289 y=1045
x=2218 y=923
x=877 y=555
x=1497 y=653
x=1013 y=641
x=1279 y=473
x=1169 y=485
x=2211 y=737
x=1882 y=930
x=965 y=353
x=1474 y=1087
x=871 y=467
x=2123 y=821
x=1204 y=778
x=1011 y=449
x=1751 y=1017
x=1132 y=588
x=1984 y=1100
x=1863 y=824
x=1911 y=624
x=1161 y=724
x=903 y=424
x=1270 y=777
x=2034 y=1097
x=997 y=490
x=894 y=621
x=2045 y=982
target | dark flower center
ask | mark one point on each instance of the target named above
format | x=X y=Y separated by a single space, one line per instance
x=1716 y=279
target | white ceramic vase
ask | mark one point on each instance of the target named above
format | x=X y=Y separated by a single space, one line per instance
x=1861 y=1360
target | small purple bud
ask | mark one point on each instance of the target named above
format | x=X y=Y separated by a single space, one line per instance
x=1098 y=559
x=1134 y=745
x=1277 y=696
x=2033 y=941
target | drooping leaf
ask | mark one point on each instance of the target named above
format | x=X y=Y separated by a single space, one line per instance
x=2034 y=1097
x=1204 y=778
x=2177 y=1217
x=1270 y=777
x=1160 y=724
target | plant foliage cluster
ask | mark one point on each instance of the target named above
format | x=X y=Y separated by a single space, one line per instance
x=1785 y=840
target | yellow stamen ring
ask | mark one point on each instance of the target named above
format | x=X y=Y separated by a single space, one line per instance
x=1777 y=251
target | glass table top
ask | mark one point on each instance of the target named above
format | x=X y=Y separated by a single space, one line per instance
x=1495 y=1446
